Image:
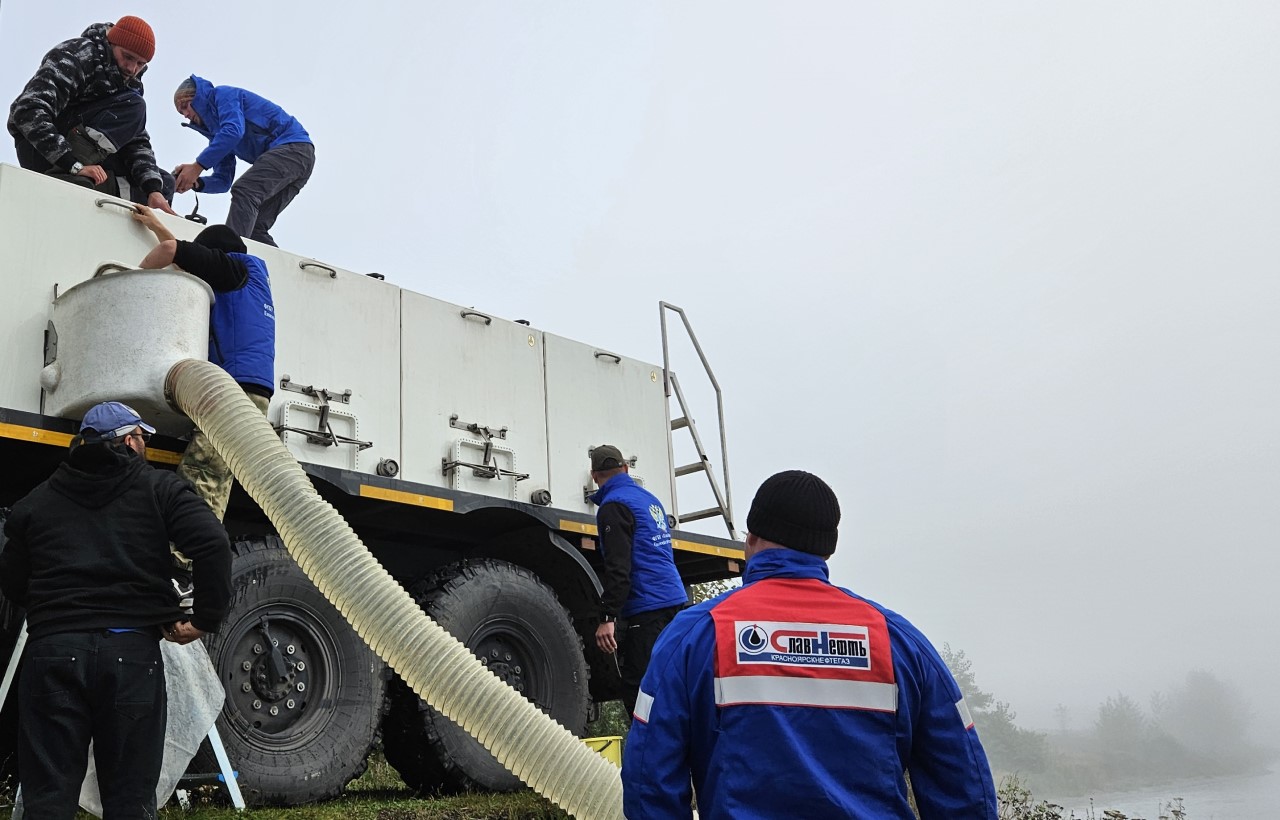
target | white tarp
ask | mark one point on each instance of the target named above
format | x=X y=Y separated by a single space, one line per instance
x=195 y=698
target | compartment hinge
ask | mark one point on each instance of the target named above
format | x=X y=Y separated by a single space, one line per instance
x=488 y=466
x=323 y=435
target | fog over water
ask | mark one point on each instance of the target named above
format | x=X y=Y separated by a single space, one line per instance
x=1246 y=797
x=1004 y=274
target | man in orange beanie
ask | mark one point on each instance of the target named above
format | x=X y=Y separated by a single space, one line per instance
x=82 y=116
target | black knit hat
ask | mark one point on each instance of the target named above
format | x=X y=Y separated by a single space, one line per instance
x=221 y=238
x=797 y=510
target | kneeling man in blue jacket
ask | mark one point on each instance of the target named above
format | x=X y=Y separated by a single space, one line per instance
x=239 y=123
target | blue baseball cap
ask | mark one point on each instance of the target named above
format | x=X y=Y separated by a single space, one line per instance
x=109 y=420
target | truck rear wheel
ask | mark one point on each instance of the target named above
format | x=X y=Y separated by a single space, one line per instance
x=305 y=695
x=515 y=625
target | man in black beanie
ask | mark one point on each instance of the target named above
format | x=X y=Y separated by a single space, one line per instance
x=792 y=697
x=242 y=331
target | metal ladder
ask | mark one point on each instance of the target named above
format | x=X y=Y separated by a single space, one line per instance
x=723 y=496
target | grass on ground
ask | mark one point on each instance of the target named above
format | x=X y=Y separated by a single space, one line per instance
x=379 y=794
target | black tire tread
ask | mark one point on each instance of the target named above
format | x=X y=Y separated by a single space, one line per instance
x=290 y=778
x=417 y=751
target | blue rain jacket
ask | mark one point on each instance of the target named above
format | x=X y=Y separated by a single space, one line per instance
x=237 y=123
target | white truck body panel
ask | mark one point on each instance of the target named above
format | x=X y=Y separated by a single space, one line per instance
x=598 y=397
x=41 y=254
x=476 y=369
x=338 y=333
x=410 y=362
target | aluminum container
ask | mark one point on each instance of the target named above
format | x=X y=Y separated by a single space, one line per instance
x=114 y=338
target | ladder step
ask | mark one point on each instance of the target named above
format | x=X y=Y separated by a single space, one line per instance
x=680 y=423
x=688 y=469
x=710 y=512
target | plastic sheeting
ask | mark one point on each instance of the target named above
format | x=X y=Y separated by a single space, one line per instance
x=195 y=698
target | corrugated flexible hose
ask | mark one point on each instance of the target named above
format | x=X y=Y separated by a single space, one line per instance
x=436 y=665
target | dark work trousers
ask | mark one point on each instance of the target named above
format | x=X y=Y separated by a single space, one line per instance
x=33 y=160
x=102 y=685
x=120 y=119
x=263 y=191
x=636 y=636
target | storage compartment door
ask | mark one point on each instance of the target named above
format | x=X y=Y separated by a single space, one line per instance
x=466 y=373
x=597 y=397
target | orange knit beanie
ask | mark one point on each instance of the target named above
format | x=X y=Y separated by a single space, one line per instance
x=133 y=34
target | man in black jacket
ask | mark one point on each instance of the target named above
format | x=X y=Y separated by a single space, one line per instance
x=88 y=556
x=82 y=115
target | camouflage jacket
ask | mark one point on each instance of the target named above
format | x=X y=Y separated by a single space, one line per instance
x=74 y=72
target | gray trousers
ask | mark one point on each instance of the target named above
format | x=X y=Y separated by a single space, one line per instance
x=270 y=184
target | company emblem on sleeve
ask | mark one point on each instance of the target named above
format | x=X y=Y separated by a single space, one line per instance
x=801 y=644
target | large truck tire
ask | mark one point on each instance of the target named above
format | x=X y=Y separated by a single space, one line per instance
x=11 y=617
x=304 y=704
x=515 y=625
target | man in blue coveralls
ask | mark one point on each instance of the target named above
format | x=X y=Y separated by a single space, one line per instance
x=792 y=697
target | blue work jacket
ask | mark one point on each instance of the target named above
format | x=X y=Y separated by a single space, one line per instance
x=242 y=328
x=791 y=697
x=237 y=123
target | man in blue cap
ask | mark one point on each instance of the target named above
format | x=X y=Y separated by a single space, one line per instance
x=88 y=557
x=642 y=587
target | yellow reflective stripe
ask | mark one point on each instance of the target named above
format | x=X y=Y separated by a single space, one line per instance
x=35 y=434
x=676 y=543
x=577 y=526
x=706 y=549
x=163 y=456
x=401 y=497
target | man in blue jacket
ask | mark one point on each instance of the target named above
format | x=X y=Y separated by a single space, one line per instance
x=791 y=697
x=642 y=589
x=239 y=123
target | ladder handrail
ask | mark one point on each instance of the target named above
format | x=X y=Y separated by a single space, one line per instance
x=697 y=443
x=670 y=386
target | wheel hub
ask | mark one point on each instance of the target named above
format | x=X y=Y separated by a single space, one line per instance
x=503 y=660
x=271 y=683
x=272 y=688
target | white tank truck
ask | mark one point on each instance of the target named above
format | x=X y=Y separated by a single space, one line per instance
x=452 y=441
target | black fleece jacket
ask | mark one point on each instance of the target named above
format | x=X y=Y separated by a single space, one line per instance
x=617 y=528
x=89 y=548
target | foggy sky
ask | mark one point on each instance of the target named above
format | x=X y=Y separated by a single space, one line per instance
x=1002 y=273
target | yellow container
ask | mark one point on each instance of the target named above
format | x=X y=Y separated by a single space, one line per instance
x=610 y=748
